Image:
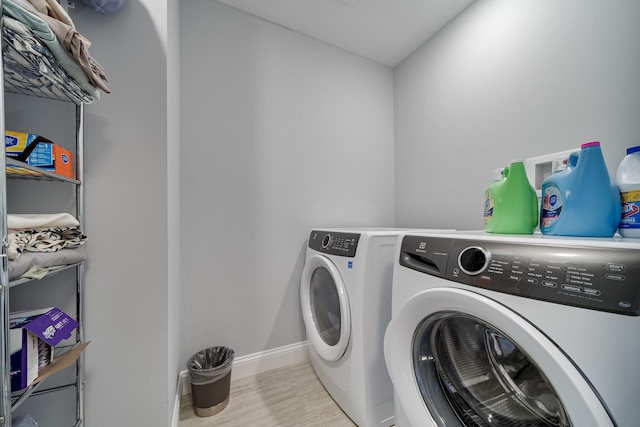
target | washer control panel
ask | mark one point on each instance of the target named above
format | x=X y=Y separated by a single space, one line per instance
x=606 y=279
x=334 y=243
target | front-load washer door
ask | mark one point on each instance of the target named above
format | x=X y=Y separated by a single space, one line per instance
x=458 y=358
x=325 y=308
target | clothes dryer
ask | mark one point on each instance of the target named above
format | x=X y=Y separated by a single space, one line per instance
x=497 y=330
x=346 y=305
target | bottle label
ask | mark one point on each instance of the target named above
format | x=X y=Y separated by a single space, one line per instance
x=488 y=207
x=630 y=209
x=551 y=206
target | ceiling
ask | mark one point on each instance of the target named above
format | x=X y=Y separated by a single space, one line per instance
x=386 y=31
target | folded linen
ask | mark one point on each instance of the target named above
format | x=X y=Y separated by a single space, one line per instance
x=29 y=67
x=30 y=260
x=54 y=9
x=22 y=221
x=73 y=42
x=43 y=240
x=24 y=12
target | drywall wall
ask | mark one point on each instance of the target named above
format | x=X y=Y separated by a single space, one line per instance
x=174 y=364
x=279 y=133
x=130 y=278
x=509 y=80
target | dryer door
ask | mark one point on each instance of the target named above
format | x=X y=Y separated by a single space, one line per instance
x=458 y=358
x=325 y=308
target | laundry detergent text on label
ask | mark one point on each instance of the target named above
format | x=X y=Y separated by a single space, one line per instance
x=551 y=206
x=488 y=207
x=630 y=209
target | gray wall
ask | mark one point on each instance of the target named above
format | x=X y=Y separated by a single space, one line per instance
x=172 y=344
x=509 y=80
x=279 y=133
x=131 y=364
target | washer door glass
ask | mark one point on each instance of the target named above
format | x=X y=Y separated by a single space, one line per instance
x=469 y=370
x=325 y=308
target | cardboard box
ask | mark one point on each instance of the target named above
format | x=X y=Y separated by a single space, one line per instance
x=52 y=157
x=38 y=151
x=62 y=161
x=16 y=142
x=42 y=156
x=32 y=336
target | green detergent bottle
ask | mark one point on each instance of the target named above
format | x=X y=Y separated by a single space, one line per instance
x=511 y=204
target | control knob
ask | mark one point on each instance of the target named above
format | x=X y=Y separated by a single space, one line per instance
x=474 y=260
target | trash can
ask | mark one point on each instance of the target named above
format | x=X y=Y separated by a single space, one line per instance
x=210 y=372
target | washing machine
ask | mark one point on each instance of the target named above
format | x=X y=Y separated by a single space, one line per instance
x=497 y=330
x=346 y=304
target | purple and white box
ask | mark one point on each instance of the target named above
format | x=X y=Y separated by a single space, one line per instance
x=32 y=336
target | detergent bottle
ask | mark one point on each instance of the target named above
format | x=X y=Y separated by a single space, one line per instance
x=489 y=205
x=628 y=180
x=582 y=200
x=511 y=204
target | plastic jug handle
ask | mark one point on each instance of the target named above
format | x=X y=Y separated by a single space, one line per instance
x=573 y=159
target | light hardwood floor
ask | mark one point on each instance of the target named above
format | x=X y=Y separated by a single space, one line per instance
x=289 y=397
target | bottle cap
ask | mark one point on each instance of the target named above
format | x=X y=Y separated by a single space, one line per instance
x=633 y=149
x=590 y=144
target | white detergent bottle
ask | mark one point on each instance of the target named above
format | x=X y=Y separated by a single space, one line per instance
x=628 y=180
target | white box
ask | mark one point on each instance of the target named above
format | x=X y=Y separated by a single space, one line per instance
x=32 y=336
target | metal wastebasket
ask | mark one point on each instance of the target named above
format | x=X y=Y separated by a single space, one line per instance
x=210 y=372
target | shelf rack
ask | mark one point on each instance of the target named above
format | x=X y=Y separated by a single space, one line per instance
x=15 y=169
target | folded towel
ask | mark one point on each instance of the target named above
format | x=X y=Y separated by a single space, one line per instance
x=21 y=221
x=54 y=9
x=29 y=67
x=49 y=29
x=30 y=260
x=43 y=240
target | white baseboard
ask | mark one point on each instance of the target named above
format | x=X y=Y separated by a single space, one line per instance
x=257 y=363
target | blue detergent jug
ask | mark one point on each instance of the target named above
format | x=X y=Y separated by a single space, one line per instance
x=581 y=200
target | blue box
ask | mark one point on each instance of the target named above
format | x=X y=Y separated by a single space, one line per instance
x=42 y=156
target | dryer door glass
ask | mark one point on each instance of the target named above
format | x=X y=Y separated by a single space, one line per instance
x=471 y=373
x=325 y=306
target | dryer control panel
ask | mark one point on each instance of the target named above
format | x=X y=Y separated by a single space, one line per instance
x=334 y=243
x=606 y=279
